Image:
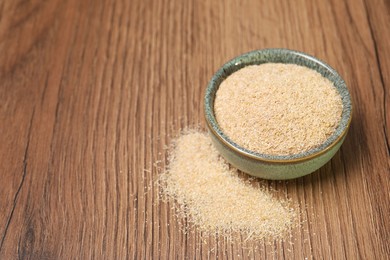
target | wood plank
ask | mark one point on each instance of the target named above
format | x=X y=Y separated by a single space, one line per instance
x=93 y=91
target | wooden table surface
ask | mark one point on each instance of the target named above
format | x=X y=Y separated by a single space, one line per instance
x=91 y=91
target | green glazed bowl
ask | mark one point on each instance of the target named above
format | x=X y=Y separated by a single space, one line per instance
x=276 y=167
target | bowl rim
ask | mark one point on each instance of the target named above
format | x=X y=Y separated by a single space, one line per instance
x=237 y=63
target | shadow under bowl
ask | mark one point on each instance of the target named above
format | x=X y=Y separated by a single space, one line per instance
x=276 y=167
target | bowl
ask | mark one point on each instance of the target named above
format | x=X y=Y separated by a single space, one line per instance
x=276 y=167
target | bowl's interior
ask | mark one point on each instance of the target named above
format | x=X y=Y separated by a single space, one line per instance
x=277 y=56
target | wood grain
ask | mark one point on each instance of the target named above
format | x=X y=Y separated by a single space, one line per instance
x=92 y=91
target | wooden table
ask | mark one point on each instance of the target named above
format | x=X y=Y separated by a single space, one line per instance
x=92 y=91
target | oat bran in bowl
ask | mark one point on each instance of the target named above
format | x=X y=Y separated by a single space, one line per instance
x=277 y=113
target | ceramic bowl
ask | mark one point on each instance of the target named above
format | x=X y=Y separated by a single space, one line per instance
x=276 y=167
